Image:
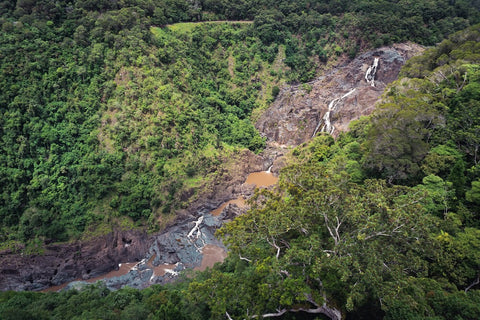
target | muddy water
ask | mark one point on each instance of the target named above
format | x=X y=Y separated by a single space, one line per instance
x=261 y=179
x=239 y=202
x=162 y=269
x=123 y=269
x=211 y=255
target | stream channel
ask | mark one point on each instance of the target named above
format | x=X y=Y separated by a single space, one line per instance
x=190 y=244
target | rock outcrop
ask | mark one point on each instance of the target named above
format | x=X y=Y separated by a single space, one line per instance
x=298 y=112
x=229 y=181
x=177 y=248
x=60 y=263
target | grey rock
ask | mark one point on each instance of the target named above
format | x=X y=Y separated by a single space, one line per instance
x=294 y=116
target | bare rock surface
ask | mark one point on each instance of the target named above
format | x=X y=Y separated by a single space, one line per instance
x=298 y=112
x=76 y=264
x=229 y=182
x=60 y=263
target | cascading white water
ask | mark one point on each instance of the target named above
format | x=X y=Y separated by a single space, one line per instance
x=326 y=119
x=196 y=229
x=135 y=267
x=328 y=127
x=371 y=71
x=316 y=128
x=269 y=169
x=172 y=272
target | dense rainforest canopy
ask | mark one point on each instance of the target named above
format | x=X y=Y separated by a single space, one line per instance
x=111 y=114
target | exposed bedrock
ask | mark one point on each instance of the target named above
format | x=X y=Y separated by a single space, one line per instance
x=179 y=245
x=229 y=183
x=60 y=263
x=299 y=110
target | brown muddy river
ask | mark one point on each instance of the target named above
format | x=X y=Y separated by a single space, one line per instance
x=261 y=179
x=239 y=202
x=162 y=269
x=211 y=255
x=123 y=270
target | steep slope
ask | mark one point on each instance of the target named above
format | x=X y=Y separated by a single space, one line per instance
x=380 y=223
x=301 y=111
x=104 y=117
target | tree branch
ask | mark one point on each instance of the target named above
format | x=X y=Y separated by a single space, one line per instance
x=332 y=313
x=335 y=239
x=459 y=88
x=285 y=272
x=474 y=283
x=242 y=258
x=273 y=244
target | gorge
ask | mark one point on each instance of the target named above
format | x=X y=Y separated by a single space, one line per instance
x=342 y=94
x=326 y=152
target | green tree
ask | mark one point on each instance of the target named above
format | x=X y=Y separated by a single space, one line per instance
x=473 y=195
x=397 y=138
x=340 y=243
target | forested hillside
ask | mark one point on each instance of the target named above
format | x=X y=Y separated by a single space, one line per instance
x=113 y=113
x=109 y=113
x=356 y=228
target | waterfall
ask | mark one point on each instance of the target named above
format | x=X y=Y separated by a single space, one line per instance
x=327 y=124
x=328 y=127
x=196 y=228
x=269 y=169
x=316 y=128
x=347 y=94
x=371 y=71
x=135 y=267
x=172 y=272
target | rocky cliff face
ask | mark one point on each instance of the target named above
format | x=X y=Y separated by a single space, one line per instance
x=229 y=182
x=61 y=263
x=298 y=112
